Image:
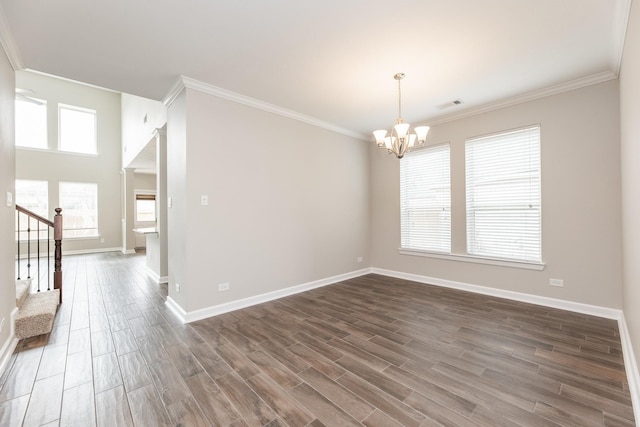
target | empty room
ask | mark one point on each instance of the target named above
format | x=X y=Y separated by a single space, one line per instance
x=410 y=213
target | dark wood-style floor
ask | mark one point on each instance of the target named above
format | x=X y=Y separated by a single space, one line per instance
x=370 y=351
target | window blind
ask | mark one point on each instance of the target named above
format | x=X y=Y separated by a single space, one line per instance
x=425 y=200
x=503 y=195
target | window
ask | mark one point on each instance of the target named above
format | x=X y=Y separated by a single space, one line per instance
x=79 y=203
x=503 y=195
x=77 y=130
x=31 y=123
x=425 y=200
x=32 y=195
x=145 y=207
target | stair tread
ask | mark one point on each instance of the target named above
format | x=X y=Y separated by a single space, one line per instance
x=22 y=291
x=35 y=316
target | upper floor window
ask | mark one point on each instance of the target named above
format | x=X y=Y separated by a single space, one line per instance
x=503 y=195
x=425 y=200
x=78 y=130
x=31 y=123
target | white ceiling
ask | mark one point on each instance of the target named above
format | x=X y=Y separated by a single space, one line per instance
x=330 y=60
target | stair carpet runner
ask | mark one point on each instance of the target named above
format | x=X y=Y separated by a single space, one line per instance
x=36 y=311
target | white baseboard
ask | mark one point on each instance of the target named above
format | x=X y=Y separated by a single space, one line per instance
x=90 y=251
x=203 y=313
x=630 y=365
x=594 y=310
x=10 y=344
x=155 y=277
x=176 y=309
x=127 y=251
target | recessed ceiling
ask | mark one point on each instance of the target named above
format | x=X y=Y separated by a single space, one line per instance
x=331 y=60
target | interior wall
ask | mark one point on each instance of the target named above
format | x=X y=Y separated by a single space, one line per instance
x=288 y=202
x=7 y=211
x=145 y=181
x=581 y=225
x=140 y=119
x=55 y=166
x=630 y=154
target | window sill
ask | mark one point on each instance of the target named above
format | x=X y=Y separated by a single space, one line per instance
x=56 y=151
x=474 y=259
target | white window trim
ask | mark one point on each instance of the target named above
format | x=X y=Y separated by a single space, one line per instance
x=475 y=259
x=95 y=129
x=446 y=145
x=98 y=235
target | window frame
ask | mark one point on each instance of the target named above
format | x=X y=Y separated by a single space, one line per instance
x=75 y=108
x=516 y=202
x=425 y=211
x=45 y=145
x=68 y=212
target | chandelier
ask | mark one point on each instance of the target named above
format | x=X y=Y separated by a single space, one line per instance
x=400 y=139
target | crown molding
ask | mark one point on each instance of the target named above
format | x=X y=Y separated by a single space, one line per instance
x=9 y=44
x=187 y=82
x=526 y=97
x=620 y=25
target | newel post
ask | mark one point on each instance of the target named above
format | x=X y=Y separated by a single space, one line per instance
x=57 y=256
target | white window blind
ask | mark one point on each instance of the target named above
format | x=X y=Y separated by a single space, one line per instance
x=503 y=195
x=425 y=200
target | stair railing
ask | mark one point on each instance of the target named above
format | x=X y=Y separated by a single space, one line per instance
x=31 y=218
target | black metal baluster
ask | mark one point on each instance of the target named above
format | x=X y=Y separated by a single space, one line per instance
x=28 y=247
x=48 y=258
x=38 y=246
x=19 y=245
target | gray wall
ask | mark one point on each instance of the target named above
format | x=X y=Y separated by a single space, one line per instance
x=54 y=166
x=288 y=202
x=7 y=213
x=630 y=147
x=581 y=225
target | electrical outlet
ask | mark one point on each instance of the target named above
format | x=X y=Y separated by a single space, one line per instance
x=9 y=198
x=359 y=259
x=101 y=240
x=559 y=283
x=204 y=200
x=177 y=288
x=223 y=287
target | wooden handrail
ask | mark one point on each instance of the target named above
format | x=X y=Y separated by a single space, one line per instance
x=35 y=215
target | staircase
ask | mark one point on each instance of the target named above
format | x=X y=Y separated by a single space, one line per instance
x=37 y=307
x=36 y=310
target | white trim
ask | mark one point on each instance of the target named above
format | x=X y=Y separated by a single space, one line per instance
x=630 y=365
x=127 y=251
x=155 y=276
x=9 y=43
x=10 y=344
x=215 y=310
x=473 y=259
x=593 y=310
x=176 y=309
x=187 y=82
x=620 y=24
x=525 y=97
x=90 y=251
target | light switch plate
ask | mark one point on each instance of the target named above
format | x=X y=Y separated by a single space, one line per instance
x=9 y=198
